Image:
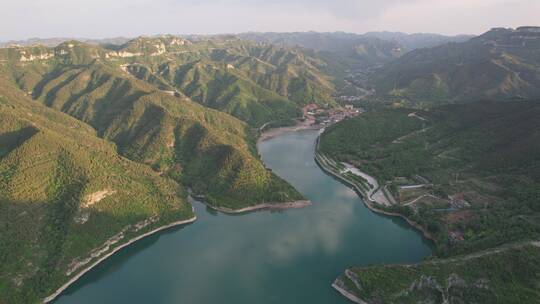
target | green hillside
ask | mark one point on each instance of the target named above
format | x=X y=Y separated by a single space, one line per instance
x=254 y=82
x=91 y=156
x=352 y=49
x=500 y=64
x=481 y=161
x=257 y=83
x=205 y=149
x=64 y=193
x=468 y=174
x=503 y=275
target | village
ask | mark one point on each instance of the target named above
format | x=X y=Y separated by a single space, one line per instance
x=317 y=115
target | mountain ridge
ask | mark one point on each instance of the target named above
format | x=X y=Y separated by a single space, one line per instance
x=499 y=64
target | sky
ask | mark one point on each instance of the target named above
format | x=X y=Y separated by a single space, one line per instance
x=22 y=19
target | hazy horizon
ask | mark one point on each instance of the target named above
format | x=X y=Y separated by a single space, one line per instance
x=219 y=34
x=100 y=19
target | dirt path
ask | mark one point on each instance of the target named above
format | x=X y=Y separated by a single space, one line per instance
x=419 y=198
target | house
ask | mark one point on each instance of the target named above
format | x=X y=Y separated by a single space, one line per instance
x=311 y=107
x=349 y=107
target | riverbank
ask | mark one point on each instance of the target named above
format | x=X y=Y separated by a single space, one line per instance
x=366 y=197
x=271 y=133
x=339 y=285
x=264 y=206
x=489 y=275
x=334 y=232
x=131 y=241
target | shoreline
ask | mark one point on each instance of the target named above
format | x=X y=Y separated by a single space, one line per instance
x=274 y=132
x=347 y=294
x=112 y=252
x=367 y=200
x=271 y=133
x=264 y=206
x=368 y=203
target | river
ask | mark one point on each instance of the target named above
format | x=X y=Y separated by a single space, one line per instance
x=287 y=256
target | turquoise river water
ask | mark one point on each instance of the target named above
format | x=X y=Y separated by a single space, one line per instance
x=289 y=256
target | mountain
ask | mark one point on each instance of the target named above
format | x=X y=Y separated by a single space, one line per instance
x=414 y=41
x=348 y=49
x=257 y=83
x=52 y=42
x=67 y=197
x=500 y=64
x=209 y=150
x=506 y=274
x=351 y=57
x=367 y=49
x=91 y=157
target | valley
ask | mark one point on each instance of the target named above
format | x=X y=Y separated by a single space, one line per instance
x=278 y=256
x=130 y=168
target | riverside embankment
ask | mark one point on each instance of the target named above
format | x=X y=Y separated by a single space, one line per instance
x=285 y=256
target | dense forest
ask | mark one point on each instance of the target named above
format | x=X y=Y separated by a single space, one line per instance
x=483 y=154
x=468 y=174
x=91 y=156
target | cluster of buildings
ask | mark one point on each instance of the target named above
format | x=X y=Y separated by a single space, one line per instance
x=313 y=114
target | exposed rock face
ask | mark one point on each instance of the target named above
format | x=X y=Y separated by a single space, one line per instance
x=76 y=264
x=96 y=197
x=122 y=54
x=160 y=49
x=178 y=41
x=30 y=57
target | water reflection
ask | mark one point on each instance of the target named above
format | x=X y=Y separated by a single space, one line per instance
x=259 y=257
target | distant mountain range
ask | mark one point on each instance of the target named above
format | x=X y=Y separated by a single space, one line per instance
x=55 y=41
x=371 y=47
x=418 y=40
x=359 y=49
x=500 y=64
x=256 y=83
x=335 y=41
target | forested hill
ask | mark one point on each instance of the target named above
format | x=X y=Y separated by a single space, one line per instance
x=206 y=149
x=357 y=49
x=469 y=175
x=65 y=193
x=500 y=64
x=256 y=83
x=91 y=156
x=479 y=163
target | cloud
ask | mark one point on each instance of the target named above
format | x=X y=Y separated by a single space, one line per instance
x=103 y=18
x=459 y=16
